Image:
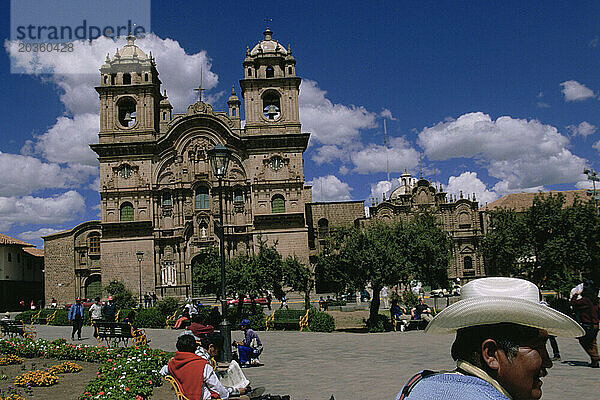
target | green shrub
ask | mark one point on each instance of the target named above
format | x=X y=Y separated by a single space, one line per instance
x=333 y=303
x=149 y=318
x=124 y=313
x=167 y=306
x=26 y=316
x=289 y=314
x=320 y=321
x=60 y=318
x=257 y=321
x=381 y=323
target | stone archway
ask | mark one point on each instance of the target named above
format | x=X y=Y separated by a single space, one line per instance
x=93 y=286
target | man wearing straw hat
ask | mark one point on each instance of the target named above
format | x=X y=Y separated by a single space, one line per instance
x=500 y=346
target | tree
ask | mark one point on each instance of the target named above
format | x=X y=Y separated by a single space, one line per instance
x=550 y=244
x=297 y=276
x=384 y=254
x=206 y=273
x=122 y=297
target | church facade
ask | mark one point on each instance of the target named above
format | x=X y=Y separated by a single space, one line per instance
x=158 y=193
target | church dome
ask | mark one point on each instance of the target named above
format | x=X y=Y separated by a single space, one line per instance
x=131 y=50
x=268 y=46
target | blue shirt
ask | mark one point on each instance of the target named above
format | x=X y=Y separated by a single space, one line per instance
x=249 y=335
x=76 y=310
x=451 y=386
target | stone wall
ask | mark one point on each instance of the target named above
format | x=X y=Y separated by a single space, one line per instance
x=59 y=268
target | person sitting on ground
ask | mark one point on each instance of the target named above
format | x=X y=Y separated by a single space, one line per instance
x=500 y=346
x=399 y=313
x=251 y=347
x=183 y=320
x=421 y=311
x=195 y=375
x=109 y=311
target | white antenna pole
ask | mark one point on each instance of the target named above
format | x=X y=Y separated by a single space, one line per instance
x=387 y=157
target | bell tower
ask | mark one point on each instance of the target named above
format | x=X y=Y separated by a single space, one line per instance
x=129 y=96
x=270 y=88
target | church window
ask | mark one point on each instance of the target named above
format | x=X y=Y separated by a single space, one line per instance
x=105 y=79
x=271 y=104
x=233 y=112
x=125 y=171
x=468 y=262
x=166 y=199
x=289 y=70
x=238 y=196
x=270 y=72
x=126 y=212
x=323 y=226
x=146 y=77
x=112 y=78
x=126 y=79
x=164 y=116
x=94 y=243
x=202 y=198
x=126 y=107
x=278 y=204
x=249 y=71
x=168 y=274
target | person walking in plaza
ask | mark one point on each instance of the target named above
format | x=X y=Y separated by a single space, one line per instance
x=269 y=299
x=154 y=299
x=384 y=297
x=500 y=345
x=552 y=340
x=75 y=317
x=284 y=302
x=109 y=311
x=96 y=313
x=586 y=308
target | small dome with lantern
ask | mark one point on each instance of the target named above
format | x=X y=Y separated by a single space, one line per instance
x=268 y=46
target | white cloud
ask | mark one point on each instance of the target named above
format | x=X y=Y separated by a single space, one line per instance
x=383 y=187
x=575 y=91
x=76 y=73
x=520 y=153
x=376 y=158
x=385 y=113
x=596 y=145
x=469 y=183
x=329 y=123
x=330 y=188
x=584 y=184
x=22 y=174
x=95 y=185
x=328 y=153
x=39 y=210
x=37 y=235
x=68 y=140
x=583 y=129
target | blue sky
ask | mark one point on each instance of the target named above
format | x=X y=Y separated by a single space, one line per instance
x=497 y=97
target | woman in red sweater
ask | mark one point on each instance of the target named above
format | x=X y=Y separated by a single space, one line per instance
x=585 y=305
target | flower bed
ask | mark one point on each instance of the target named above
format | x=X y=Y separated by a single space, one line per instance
x=36 y=378
x=10 y=359
x=126 y=373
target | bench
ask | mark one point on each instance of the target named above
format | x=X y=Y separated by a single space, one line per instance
x=45 y=319
x=273 y=323
x=17 y=328
x=115 y=333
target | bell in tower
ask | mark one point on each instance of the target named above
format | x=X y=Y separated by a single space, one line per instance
x=270 y=88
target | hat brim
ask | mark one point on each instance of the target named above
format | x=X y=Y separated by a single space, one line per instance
x=494 y=310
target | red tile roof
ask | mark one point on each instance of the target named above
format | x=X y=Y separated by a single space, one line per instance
x=5 y=239
x=521 y=201
x=34 y=252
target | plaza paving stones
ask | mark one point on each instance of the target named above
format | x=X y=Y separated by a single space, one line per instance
x=366 y=366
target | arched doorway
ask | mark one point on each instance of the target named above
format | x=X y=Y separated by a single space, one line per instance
x=93 y=286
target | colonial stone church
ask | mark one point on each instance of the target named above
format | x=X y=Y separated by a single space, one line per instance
x=158 y=193
x=159 y=196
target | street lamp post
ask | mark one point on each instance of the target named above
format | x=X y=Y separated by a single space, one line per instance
x=140 y=254
x=593 y=176
x=219 y=160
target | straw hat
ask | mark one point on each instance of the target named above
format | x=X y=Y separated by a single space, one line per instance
x=494 y=300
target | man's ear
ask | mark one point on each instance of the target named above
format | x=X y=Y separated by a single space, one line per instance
x=489 y=354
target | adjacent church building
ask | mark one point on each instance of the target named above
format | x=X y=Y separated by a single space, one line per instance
x=160 y=199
